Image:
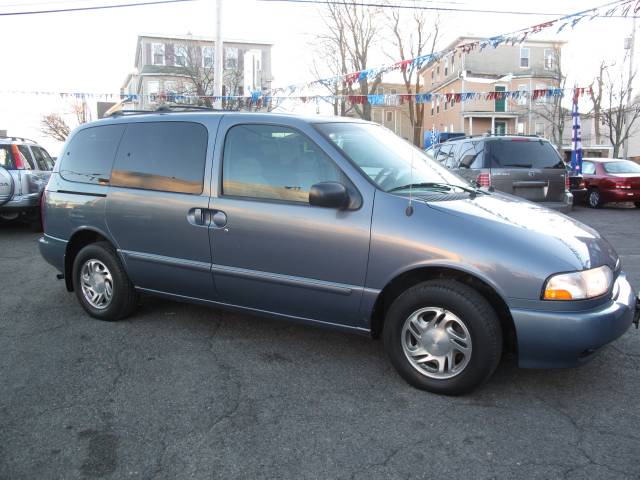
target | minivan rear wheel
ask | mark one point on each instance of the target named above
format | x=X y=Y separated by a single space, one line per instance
x=101 y=283
x=594 y=200
x=443 y=336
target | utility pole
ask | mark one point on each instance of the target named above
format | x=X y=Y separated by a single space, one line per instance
x=629 y=87
x=219 y=65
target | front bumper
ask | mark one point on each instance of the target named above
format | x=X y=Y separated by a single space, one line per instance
x=566 y=339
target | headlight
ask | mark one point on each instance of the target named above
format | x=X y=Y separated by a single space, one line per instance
x=578 y=285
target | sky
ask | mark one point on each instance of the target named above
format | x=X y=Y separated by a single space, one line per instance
x=94 y=51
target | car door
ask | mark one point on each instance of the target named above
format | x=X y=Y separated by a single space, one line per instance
x=157 y=204
x=271 y=250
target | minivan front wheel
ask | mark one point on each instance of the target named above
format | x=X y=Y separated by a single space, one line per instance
x=101 y=283
x=443 y=336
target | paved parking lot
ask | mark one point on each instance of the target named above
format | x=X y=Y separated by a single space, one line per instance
x=181 y=391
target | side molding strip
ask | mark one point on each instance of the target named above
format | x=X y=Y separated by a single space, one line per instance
x=171 y=261
x=337 y=288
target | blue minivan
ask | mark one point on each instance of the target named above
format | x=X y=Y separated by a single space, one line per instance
x=332 y=222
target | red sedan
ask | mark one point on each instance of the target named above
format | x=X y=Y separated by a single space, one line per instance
x=611 y=180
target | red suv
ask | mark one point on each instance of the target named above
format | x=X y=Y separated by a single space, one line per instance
x=611 y=180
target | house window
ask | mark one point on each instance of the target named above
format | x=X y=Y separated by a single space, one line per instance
x=231 y=58
x=157 y=50
x=180 y=55
x=520 y=128
x=540 y=129
x=432 y=75
x=438 y=73
x=453 y=62
x=549 y=59
x=446 y=67
x=432 y=105
x=446 y=104
x=207 y=57
x=389 y=116
x=522 y=99
x=524 y=57
x=153 y=87
x=453 y=100
x=438 y=105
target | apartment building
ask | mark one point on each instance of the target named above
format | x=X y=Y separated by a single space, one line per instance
x=532 y=65
x=175 y=66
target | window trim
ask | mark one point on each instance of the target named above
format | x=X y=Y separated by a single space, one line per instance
x=351 y=186
x=553 y=58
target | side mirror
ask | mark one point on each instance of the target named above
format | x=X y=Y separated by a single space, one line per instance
x=329 y=195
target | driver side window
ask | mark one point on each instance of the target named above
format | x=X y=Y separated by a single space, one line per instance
x=274 y=162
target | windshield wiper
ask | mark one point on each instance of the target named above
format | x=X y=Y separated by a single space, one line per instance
x=437 y=185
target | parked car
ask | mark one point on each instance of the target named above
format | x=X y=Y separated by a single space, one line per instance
x=25 y=168
x=331 y=222
x=528 y=167
x=611 y=180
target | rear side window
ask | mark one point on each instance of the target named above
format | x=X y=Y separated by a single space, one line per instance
x=589 y=168
x=27 y=158
x=6 y=159
x=89 y=155
x=163 y=156
x=622 y=166
x=471 y=155
x=522 y=153
x=43 y=160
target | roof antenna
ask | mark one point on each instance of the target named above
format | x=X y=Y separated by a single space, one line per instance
x=409 y=210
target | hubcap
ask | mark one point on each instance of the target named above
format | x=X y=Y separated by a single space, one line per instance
x=97 y=283
x=436 y=342
x=594 y=198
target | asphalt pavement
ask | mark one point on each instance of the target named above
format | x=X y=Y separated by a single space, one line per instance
x=182 y=391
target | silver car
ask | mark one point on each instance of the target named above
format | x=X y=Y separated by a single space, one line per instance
x=25 y=168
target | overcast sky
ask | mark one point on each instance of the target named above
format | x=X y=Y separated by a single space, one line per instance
x=94 y=51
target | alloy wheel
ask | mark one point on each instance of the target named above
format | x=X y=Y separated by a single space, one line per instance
x=97 y=284
x=436 y=342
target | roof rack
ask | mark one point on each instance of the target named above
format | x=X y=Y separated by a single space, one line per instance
x=167 y=109
x=14 y=138
x=484 y=135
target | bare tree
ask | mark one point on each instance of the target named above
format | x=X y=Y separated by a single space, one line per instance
x=595 y=93
x=351 y=30
x=421 y=40
x=618 y=120
x=197 y=70
x=330 y=52
x=53 y=125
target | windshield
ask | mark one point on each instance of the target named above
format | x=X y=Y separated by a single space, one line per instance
x=523 y=153
x=386 y=158
x=622 y=166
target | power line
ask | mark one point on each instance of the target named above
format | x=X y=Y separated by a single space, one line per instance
x=440 y=9
x=99 y=7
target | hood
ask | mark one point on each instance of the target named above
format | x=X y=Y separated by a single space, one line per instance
x=579 y=244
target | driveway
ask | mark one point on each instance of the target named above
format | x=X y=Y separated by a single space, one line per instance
x=181 y=391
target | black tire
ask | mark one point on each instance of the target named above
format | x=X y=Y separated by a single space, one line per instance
x=124 y=299
x=472 y=309
x=594 y=200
